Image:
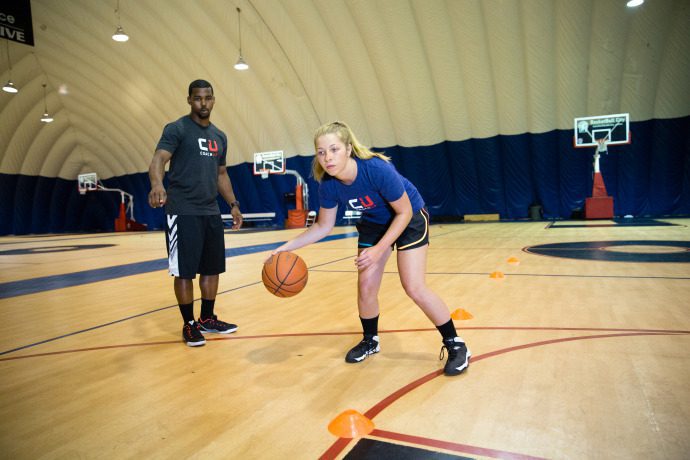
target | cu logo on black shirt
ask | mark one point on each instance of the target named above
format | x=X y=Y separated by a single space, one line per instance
x=208 y=147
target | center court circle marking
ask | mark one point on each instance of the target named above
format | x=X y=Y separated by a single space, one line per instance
x=618 y=251
x=646 y=249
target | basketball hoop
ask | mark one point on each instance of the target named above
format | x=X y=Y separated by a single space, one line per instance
x=590 y=131
x=266 y=163
x=87 y=182
x=601 y=145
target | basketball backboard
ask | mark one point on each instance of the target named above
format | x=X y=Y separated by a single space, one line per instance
x=266 y=163
x=589 y=130
x=87 y=182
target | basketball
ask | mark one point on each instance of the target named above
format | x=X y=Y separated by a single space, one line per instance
x=285 y=274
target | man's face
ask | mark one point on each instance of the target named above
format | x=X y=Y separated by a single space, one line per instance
x=201 y=101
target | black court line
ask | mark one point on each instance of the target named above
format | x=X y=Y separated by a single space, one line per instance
x=523 y=274
x=375 y=449
x=617 y=222
x=138 y=315
x=23 y=239
x=52 y=249
x=451 y=446
x=48 y=283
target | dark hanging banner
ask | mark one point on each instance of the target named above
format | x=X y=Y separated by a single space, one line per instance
x=15 y=21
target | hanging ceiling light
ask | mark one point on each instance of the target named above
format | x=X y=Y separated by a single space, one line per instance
x=241 y=64
x=45 y=118
x=634 y=3
x=9 y=86
x=119 y=35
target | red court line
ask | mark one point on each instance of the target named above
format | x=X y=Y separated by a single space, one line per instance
x=308 y=334
x=455 y=447
x=215 y=339
x=547 y=328
x=339 y=445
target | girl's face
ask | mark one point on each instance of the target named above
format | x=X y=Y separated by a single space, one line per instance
x=333 y=154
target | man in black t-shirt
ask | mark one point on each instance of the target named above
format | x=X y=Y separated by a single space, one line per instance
x=196 y=150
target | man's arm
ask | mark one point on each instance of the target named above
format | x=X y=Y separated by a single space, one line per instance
x=225 y=190
x=157 y=195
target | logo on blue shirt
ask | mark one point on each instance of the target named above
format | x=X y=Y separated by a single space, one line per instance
x=360 y=204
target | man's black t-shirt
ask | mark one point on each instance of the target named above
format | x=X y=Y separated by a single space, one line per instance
x=197 y=152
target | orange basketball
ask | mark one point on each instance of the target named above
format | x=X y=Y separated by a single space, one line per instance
x=285 y=274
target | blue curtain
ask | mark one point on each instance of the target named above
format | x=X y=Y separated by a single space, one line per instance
x=503 y=175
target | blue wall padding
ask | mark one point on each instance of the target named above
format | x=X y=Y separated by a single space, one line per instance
x=502 y=174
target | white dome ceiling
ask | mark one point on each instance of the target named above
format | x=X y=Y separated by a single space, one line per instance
x=400 y=72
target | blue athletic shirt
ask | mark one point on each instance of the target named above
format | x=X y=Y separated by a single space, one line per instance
x=377 y=183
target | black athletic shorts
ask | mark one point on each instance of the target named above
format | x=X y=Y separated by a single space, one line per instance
x=415 y=235
x=196 y=244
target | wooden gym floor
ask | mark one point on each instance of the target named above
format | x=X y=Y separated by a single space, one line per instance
x=581 y=350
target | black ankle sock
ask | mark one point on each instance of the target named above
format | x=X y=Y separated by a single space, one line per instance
x=370 y=326
x=187 y=310
x=207 y=308
x=447 y=330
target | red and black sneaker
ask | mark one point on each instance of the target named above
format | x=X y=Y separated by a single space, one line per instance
x=213 y=324
x=191 y=334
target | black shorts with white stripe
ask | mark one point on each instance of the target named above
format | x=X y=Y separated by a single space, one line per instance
x=196 y=244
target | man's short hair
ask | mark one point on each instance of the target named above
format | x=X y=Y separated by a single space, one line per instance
x=199 y=84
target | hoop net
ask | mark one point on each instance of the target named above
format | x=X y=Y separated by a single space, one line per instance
x=601 y=145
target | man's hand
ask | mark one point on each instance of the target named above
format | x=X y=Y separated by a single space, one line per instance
x=236 y=217
x=157 y=196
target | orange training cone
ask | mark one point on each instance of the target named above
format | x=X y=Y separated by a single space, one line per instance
x=461 y=314
x=497 y=275
x=351 y=424
x=513 y=261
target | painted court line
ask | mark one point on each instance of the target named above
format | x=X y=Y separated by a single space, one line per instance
x=452 y=446
x=341 y=443
x=541 y=275
x=49 y=283
x=138 y=315
x=300 y=334
x=176 y=342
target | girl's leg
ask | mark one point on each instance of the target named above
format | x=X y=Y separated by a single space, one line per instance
x=368 y=285
x=412 y=269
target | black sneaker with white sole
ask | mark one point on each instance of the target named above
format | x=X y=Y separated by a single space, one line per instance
x=458 y=356
x=213 y=324
x=192 y=335
x=368 y=346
